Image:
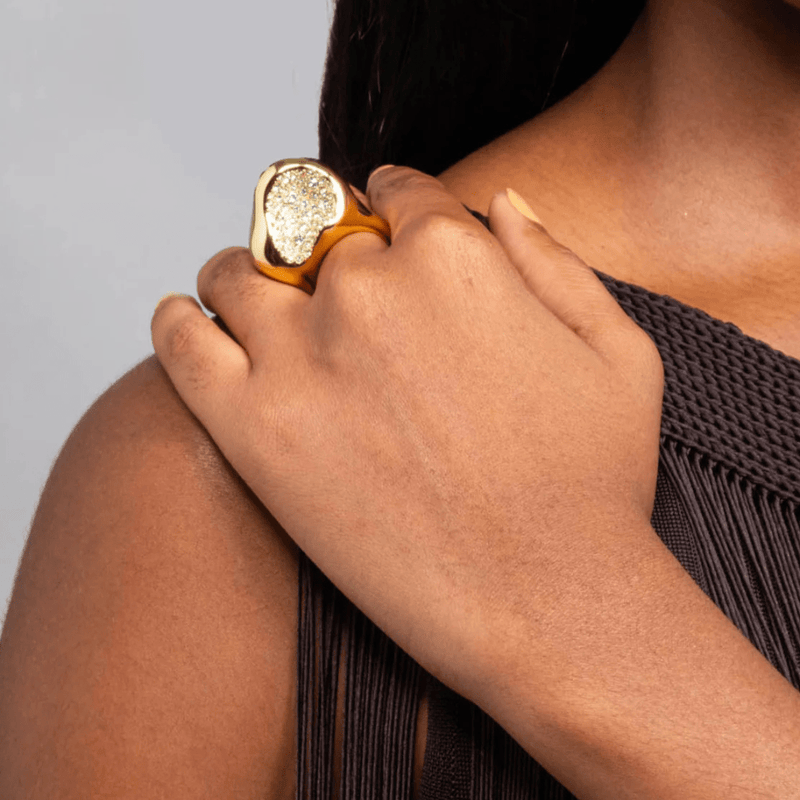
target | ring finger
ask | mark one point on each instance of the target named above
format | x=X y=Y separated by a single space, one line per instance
x=257 y=310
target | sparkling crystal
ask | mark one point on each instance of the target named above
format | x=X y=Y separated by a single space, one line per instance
x=300 y=203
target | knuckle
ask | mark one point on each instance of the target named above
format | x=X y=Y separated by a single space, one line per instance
x=344 y=276
x=350 y=294
x=651 y=359
x=399 y=179
x=222 y=268
x=181 y=338
x=644 y=357
x=437 y=227
x=551 y=248
x=353 y=319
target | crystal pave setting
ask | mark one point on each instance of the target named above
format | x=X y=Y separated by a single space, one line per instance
x=299 y=205
x=301 y=209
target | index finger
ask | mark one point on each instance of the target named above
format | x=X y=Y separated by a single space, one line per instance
x=403 y=195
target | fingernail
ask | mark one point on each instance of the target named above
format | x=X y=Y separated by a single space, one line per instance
x=522 y=206
x=165 y=298
x=377 y=170
x=383 y=166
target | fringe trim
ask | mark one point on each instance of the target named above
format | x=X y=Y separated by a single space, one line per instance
x=322 y=611
x=381 y=699
x=748 y=539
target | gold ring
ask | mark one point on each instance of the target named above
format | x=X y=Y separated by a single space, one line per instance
x=300 y=210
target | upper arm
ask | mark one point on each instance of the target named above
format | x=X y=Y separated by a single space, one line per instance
x=150 y=643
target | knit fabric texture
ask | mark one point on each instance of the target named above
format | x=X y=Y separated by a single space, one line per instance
x=726 y=506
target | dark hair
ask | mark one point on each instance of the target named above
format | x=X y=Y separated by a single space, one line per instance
x=426 y=82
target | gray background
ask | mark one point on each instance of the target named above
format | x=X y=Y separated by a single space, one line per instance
x=131 y=138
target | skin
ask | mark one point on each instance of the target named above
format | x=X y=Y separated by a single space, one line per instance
x=205 y=563
x=675 y=168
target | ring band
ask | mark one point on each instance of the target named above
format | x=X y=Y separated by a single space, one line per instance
x=301 y=209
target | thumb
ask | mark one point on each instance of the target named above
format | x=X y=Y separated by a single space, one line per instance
x=561 y=281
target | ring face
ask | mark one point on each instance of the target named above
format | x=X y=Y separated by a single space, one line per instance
x=300 y=204
x=301 y=209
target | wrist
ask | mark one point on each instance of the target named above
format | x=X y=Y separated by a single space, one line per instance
x=645 y=689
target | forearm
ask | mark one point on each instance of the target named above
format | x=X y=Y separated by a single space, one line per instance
x=662 y=699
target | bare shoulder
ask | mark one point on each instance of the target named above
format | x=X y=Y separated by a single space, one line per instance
x=144 y=404
x=139 y=450
x=150 y=644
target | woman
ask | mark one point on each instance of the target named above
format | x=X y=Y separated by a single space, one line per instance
x=531 y=583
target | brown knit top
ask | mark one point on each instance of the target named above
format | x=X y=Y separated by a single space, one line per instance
x=726 y=506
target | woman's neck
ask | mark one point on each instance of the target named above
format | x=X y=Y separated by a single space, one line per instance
x=705 y=123
x=678 y=166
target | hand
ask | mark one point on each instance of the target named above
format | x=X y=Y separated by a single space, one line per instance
x=456 y=428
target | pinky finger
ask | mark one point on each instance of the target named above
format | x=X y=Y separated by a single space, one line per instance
x=204 y=364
